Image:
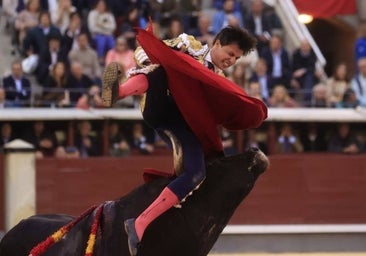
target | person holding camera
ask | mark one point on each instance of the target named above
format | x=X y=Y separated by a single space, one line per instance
x=91 y=99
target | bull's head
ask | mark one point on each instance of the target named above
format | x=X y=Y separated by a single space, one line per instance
x=259 y=161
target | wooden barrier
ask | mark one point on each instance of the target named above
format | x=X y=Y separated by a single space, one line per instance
x=297 y=189
x=308 y=189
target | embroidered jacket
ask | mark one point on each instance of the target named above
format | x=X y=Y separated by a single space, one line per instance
x=184 y=43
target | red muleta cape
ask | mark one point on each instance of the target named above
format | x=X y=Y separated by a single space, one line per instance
x=204 y=98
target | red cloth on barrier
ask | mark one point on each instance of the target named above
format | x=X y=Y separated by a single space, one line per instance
x=204 y=98
x=325 y=8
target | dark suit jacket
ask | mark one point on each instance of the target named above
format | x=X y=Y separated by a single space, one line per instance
x=45 y=61
x=67 y=40
x=78 y=87
x=250 y=24
x=285 y=62
x=13 y=96
x=94 y=150
x=266 y=27
x=300 y=61
x=37 y=41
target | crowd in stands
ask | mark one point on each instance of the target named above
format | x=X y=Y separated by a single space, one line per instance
x=64 y=45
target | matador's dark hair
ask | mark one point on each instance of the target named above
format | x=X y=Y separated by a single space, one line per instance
x=230 y=34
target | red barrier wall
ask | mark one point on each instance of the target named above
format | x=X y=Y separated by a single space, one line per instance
x=308 y=189
x=297 y=189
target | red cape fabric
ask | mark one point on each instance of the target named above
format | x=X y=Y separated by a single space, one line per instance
x=204 y=98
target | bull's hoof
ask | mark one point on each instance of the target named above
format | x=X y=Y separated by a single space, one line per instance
x=112 y=77
x=133 y=240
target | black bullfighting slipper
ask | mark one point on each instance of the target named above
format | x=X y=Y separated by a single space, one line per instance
x=133 y=240
x=112 y=77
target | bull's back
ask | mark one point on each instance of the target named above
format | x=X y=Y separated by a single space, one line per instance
x=20 y=240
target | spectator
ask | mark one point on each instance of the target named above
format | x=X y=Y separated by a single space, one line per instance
x=35 y=41
x=358 y=83
x=121 y=54
x=78 y=82
x=75 y=28
x=61 y=15
x=360 y=44
x=258 y=24
x=102 y=25
x=92 y=99
x=319 y=96
x=344 y=141
x=303 y=76
x=118 y=145
x=223 y=17
x=239 y=75
x=85 y=142
x=27 y=19
x=254 y=90
x=157 y=29
x=337 y=84
x=87 y=57
x=288 y=142
x=274 y=20
x=50 y=57
x=281 y=99
x=349 y=100
x=132 y=20
x=17 y=87
x=139 y=140
x=6 y=135
x=55 y=89
x=313 y=138
x=175 y=28
x=43 y=140
x=203 y=32
x=263 y=77
x=277 y=60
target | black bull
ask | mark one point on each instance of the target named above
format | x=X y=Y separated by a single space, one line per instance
x=188 y=231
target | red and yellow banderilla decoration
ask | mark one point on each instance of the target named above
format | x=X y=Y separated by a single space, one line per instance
x=43 y=246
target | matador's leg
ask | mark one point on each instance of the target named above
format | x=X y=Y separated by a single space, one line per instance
x=114 y=88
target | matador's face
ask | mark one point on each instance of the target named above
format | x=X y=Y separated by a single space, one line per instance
x=225 y=56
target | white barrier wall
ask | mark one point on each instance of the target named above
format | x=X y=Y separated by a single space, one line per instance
x=274 y=114
x=19 y=172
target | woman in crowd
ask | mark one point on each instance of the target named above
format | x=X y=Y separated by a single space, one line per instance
x=121 y=54
x=55 y=93
x=337 y=84
x=281 y=99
